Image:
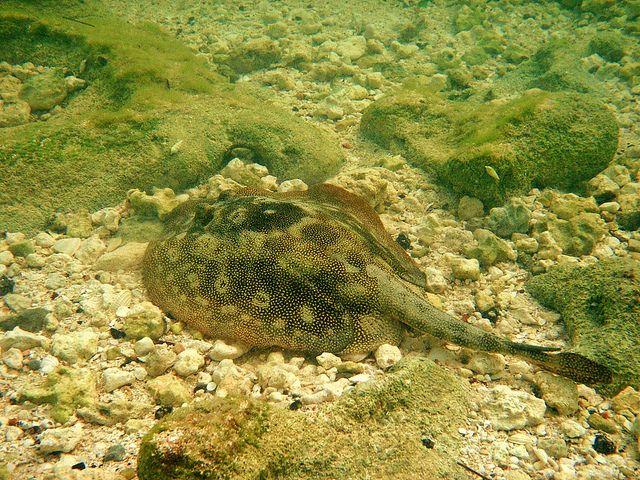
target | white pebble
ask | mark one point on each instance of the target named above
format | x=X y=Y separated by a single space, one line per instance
x=328 y=360
x=222 y=350
x=60 y=439
x=48 y=364
x=188 y=362
x=12 y=358
x=387 y=355
x=143 y=346
x=114 y=378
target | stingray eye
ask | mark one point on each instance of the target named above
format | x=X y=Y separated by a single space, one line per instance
x=203 y=214
x=265 y=216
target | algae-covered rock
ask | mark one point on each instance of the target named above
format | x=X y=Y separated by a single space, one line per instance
x=609 y=45
x=600 y=307
x=45 y=90
x=577 y=235
x=512 y=218
x=65 y=390
x=153 y=113
x=490 y=249
x=374 y=432
x=495 y=150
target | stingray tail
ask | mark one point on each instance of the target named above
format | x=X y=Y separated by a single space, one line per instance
x=568 y=364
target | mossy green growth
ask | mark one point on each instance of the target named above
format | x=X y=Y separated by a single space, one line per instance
x=494 y=150
x=65 y=389
x=376 y=431
x=600 y=306
x=609 y=45
x=145 y=93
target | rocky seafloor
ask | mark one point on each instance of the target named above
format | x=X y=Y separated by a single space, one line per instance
x=92 y=365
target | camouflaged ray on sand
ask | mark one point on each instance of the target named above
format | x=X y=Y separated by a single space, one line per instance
x=308 y=271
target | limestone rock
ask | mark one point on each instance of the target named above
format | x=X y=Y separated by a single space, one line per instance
x=627 y=399
x=159 y=361
x=558 y=393
x=23 y=340
x=127 y=257
x=599 y=307
x=114 y=378
x=45 y=90
x=62 y=440
x=490 y=249
x=512 y=218
x=464 y=269
x=74 y=346
x=239 y=438
x=387 y=355
x=65 y=389
x=225 y=350
x=188 y=362
x=169 y=390
x=509 y=409
x=469 y=208
x=144 y=320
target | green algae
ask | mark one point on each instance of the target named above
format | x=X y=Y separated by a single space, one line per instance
x=495 y=150
x=600 y=306
x=145 y=93
x=374 y=432
x=65 y=389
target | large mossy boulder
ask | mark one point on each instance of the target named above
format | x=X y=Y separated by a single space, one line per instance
x=494 y=150
x=403 y=426
x=152 y=114
x=600 y=306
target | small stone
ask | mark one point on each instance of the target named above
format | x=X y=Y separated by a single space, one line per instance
x=169 y=390
x=143 y=346
x=360 y=378
x=12 y=358
x=486 y=363
x=328 y=360
x=17 y=302
x=33 y=260
x=627 y=399
x=115 y=453
x=90 y=249
x=509 y=409
x=22 y=249
x=484 y=301
x=6 y=258
x=188 y=362
x=12 y=433
x=556 y=447
x=48 y=364
x=572 y=429
x=610 y=207
x=434 y=280
x=114 y=378
x=60 y=439
x=45 y=90
x=21 y=339
x=526 y=244
x=144 y=320
x=67 y=246
x=598 y=422
x=32 y=320
x=512 y=218
x=470 y=207
x=387 y=355
x=74 y=346
x=559 y=393
x=159 y=361
x=465 y=269
x=222 y=350
x=55 y=281
x=127 y=257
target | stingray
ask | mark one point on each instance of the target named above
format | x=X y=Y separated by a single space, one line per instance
x=312 y=272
